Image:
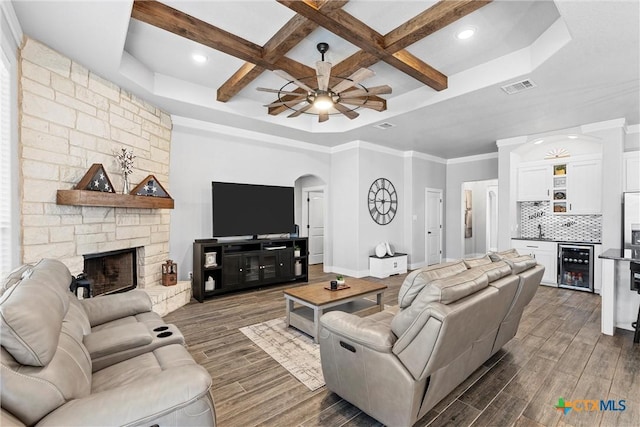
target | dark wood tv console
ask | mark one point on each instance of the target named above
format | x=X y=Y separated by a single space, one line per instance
x=221 y=267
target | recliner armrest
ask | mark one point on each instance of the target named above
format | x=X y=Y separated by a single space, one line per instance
x=362 y=330
x=106 y=308
x=116 y=339
x=136 y=403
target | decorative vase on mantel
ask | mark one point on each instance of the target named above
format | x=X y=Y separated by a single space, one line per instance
x=125 y=184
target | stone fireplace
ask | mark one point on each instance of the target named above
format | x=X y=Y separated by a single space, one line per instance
x=71 y=118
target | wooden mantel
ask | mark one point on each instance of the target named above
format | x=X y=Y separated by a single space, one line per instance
x=112 y=200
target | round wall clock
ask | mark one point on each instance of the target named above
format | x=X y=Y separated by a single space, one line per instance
x=383 y=201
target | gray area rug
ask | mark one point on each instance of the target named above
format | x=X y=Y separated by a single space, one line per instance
x=294 y=350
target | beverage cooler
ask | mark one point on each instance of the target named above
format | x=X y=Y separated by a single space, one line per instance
x=575 y=267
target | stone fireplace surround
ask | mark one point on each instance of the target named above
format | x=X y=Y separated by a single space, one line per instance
x=71 y=118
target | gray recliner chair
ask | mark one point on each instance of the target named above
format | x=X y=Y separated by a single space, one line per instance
x=47 y=375
x=398 y=364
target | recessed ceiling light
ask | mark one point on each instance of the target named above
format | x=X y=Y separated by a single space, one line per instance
x=200 y=59
x=466 y=33
x=538 y=141
x=573 y=136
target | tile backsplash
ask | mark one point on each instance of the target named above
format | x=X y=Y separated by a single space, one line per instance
x=570 y=228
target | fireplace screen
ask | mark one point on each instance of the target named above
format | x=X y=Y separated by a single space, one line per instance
x=111 y=272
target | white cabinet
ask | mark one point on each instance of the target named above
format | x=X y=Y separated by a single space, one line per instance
x=546 y=253
x=584 y=187
x=388 y=265
x=631 y=171
x=572 y=186
x=533 y=183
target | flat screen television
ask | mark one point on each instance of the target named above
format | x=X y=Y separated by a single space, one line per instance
x=249 y=209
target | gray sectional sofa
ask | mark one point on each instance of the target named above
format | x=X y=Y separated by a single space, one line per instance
x=102 y=361
x=398 y=364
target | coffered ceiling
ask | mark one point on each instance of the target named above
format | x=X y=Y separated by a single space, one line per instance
x=583 y=57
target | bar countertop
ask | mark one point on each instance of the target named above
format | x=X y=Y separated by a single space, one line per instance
x=621 y=254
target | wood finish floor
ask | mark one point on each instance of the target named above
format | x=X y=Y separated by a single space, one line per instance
x=557 y=352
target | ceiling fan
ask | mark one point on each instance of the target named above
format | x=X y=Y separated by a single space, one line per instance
x=346 y=96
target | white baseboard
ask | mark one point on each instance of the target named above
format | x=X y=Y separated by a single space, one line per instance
x=345 y=271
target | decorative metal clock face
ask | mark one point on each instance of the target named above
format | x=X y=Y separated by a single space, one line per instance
x=383 y=201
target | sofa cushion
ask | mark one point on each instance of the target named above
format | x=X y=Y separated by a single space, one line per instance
x=495 y=270
x=31 y=319
x=521 y=263
x=445 y=291
x=474 y=262
x=416 y=280
x=14 y=277
x=500 y=256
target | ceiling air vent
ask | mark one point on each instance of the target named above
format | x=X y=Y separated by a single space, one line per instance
x=384 y=125
x=517 y=87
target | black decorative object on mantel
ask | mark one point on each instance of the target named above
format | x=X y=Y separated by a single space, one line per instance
x=96 y=179
x=150 y=187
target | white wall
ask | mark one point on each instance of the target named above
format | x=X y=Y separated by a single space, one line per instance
x=374 y=165
x=201 y=156
x=425 y=174
x=468 y=169
x=344 y=215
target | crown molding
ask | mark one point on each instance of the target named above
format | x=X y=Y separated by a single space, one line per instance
x=9 y=15
x=475 y=158
x=186 y=122
x=607 y=124
x=422 y=156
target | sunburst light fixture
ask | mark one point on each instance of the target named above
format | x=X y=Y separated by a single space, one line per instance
x=344 y=97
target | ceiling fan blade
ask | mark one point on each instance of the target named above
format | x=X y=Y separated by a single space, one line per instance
x=323 y=71
x=346 y=111
x=281 y=92
x=374 y=105
x=353 y=79
x=287 y=76
x=323 y=116
x=300 y=111
x=375 y=90
x=289 y=103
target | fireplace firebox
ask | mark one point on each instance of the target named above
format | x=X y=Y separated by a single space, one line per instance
x=111 y=272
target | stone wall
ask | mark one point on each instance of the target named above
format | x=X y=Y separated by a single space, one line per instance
x=71 y=118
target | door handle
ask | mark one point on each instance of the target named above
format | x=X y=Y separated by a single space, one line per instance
x=428 y=232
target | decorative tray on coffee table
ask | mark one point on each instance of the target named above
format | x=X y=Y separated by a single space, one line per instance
x=339 y=288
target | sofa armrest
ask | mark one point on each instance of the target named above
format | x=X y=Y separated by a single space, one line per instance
x=111 y=307
x=116 y=339
x=137 y=403
x=362 y=330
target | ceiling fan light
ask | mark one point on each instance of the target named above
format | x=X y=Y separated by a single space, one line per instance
x=323 y=102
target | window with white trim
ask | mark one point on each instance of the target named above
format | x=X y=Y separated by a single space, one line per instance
x=5 y=168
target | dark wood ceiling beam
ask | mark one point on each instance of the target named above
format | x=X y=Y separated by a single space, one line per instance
x=292 y=33
x=428 y=22
x=355 y=31
x=340 y=23
x=179 y=23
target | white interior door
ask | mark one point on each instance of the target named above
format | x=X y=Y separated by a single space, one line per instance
x=315 y=201
x=433 y=226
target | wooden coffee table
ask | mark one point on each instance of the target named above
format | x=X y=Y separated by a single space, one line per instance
x=314 y=300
